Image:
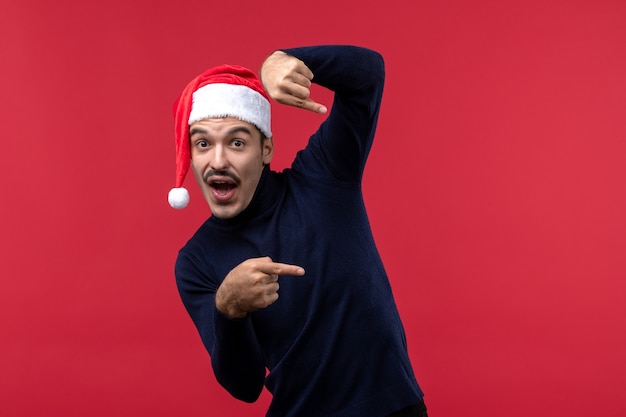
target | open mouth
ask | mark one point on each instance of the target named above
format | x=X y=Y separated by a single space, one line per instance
x=222 y=188
x=222 y=184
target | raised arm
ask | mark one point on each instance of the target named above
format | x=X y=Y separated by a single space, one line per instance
x=339 y=149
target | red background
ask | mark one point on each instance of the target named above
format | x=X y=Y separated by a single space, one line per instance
x=496 y=190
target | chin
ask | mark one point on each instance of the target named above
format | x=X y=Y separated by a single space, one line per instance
x=223 y=216
x=224 y=212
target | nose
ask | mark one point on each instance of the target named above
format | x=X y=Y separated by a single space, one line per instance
x=220 y=159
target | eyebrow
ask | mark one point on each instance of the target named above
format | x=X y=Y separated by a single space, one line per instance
x=197 y=130
x=238 y=129
x=231 y=131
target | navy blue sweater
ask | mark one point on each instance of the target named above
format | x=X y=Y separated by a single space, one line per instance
x=333 y=342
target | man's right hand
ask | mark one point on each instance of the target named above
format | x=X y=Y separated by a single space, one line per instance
x=288 y=80
x=252 y=285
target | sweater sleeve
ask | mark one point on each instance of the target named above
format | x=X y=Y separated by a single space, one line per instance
x=235 y=353
x=339 y=149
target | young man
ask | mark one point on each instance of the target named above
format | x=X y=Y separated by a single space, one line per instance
x=333 y=342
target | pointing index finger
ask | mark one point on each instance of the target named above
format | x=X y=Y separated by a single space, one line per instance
x=277 y=268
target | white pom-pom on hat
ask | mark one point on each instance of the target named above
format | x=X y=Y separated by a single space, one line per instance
x=225 y=90
x=178 y=197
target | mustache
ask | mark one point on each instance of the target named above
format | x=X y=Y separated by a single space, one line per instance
x=221 y=173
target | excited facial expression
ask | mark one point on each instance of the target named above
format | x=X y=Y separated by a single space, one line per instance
x=227 y=158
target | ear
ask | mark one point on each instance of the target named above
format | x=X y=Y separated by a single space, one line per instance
x=268 y=150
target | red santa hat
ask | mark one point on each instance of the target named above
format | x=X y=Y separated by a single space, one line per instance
x=223 y=91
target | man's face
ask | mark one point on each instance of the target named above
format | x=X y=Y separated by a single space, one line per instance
x=227 y=158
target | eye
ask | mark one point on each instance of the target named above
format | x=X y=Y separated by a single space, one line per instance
x=238 y=143
x=202 y=144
